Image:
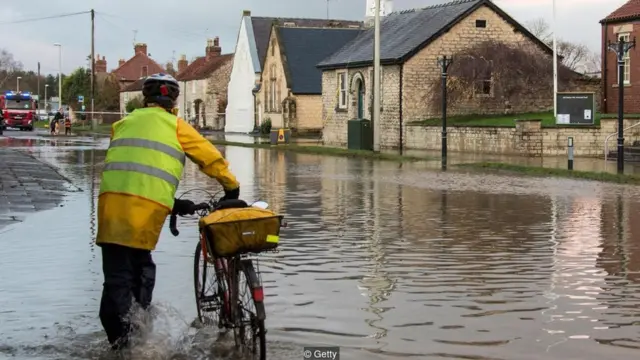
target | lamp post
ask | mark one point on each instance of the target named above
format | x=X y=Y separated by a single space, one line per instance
x=59 y=74
x=18 y=83
x=621 y=48
x=46 y=100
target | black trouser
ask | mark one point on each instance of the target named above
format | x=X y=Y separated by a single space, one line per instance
x=129 y=274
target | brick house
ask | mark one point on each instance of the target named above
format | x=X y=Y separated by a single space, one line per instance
x=290 y=94
x=140 y=65
x=251 y=49
x=411 y=42
x=623 y=22
x=203 y=95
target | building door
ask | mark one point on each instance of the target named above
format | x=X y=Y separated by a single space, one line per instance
x=360 y=88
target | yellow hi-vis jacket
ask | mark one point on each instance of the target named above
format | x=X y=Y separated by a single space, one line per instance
x=142 y=170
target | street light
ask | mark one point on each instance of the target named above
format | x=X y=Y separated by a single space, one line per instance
x=59 y=74
x=18 y=83
x=46 y=100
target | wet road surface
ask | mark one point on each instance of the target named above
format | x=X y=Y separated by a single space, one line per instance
x=385 y=260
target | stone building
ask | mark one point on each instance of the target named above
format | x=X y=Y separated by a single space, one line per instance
x=203 y=83
x=621 y=23
x=411 y=42
x=250 y=52
x=290 y=94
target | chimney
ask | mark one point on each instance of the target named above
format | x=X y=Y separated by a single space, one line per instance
x=213 y=48
x=121 y=62
x=246 y=12
x=140 y=48
x=182 y=63
x=101 y=65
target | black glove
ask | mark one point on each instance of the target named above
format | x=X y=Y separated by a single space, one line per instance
x=231 y=194
x=183 y=207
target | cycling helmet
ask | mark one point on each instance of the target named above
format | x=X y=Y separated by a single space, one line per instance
x=162 y=89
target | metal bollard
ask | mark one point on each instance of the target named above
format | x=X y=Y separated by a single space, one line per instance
x=570 y=150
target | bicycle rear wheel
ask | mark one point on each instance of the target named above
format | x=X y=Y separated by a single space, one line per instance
x=249 y=330
x=207 y=290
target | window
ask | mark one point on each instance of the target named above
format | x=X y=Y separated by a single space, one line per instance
x=481 y=23
x=342 y=90
x=145 y=71
x=272 y=90
x=627 y=59
x=484 y=83
x=273 y=48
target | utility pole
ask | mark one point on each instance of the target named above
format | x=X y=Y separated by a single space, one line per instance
x=621 y=48
x=39 y=100
x=94 y=125
x=376 y=79
x=444 y=62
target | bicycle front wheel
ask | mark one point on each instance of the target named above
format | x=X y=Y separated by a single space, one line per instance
x=207 y=290
x=249 y=332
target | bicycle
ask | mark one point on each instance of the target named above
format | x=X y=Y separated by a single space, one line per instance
x=220 y=303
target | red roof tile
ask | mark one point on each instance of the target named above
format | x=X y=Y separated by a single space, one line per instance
x=629 y=11
x=131 y=70
x=201 y=68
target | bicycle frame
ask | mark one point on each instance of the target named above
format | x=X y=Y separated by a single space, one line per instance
x=227 y=269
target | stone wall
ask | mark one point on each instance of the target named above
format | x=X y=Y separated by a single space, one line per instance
x=216 y=96
x=308 y=113
x=527 y=138
x=335 y=119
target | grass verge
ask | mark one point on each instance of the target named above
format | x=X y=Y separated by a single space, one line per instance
x=324 y=150
x=548 y=120
x=554 y=172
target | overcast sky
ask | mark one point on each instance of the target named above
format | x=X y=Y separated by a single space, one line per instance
x=171 y=28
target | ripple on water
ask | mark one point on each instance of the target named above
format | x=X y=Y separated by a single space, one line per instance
x=385 y=261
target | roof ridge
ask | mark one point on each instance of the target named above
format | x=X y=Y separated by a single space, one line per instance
x=300 y=18
x=436 y=6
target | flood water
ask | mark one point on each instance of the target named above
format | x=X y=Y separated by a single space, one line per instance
x=385 y=260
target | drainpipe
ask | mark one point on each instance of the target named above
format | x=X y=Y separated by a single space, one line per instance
x=400 y=111
x=605 y=48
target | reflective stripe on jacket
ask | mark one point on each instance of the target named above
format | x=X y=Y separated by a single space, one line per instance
x=145 y=158
x=142 y=170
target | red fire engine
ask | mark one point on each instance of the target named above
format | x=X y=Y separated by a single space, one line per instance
x=19 y=110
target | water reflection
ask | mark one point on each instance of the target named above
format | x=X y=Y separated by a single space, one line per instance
x=385 y=260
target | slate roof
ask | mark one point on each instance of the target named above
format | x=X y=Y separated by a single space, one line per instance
x=303 y=48
x=629 y=11
x=202 y=69
x=262 y=29
x=406 y=32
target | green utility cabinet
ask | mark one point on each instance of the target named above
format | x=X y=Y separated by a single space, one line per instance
x=359 y=134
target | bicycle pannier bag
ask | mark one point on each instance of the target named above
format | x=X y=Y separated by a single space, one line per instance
x=241 y=230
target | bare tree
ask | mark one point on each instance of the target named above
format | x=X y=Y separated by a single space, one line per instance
x=574 y=55
x=540 y=28
x=8 y=65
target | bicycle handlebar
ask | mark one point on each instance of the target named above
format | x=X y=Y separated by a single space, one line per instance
x=173 y=220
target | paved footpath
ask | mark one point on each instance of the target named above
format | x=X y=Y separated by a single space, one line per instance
x=27 y=185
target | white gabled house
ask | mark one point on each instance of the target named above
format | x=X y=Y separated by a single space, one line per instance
x=251 y=50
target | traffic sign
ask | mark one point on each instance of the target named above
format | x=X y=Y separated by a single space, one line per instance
x=83 y=107
x=80 y=98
